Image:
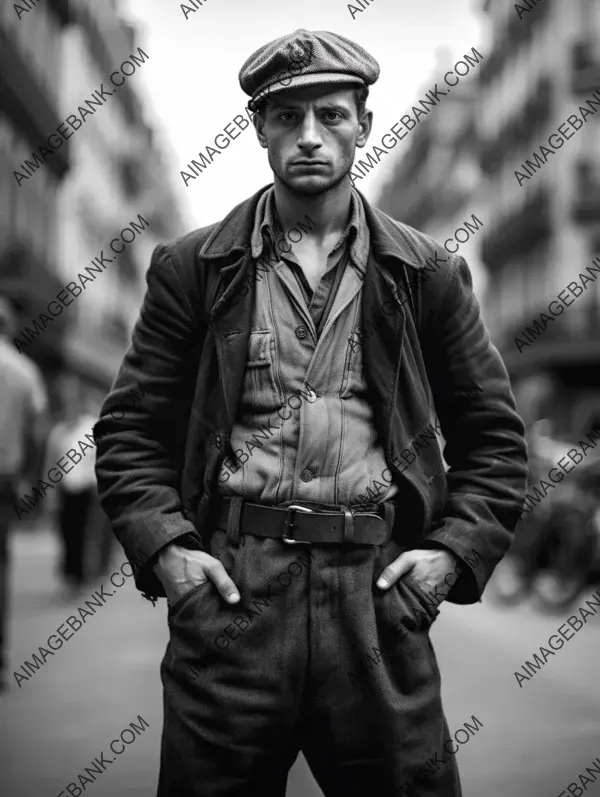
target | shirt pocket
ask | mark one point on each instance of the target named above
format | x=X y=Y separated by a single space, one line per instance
x=262 y=392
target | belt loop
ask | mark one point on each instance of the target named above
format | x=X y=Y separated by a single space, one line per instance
x=233 y=520
x=348 y=526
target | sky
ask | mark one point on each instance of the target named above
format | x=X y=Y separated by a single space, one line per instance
x=191 y=89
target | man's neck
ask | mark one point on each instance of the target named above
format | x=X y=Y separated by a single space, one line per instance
x=329 y=212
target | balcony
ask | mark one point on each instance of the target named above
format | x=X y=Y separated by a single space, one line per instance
x=533 y=116
x=127 y=268
x=516 y=34
x=492 y=66
x=586 y=205
x=519 y=232
x=107 y=48
x=62 y=10
x=25 y=102
x=585 y=66
x=562 y=347
x=130 y=175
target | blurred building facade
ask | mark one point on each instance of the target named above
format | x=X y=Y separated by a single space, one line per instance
x=540 y=65
x=111 y=171
x=30 y=53
x=119 y=176
x=543 y=233
x=433 y=186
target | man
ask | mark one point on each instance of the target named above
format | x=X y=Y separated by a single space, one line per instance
x=23 y=427
x=281 y=388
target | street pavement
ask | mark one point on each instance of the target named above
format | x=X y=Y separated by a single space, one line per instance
x=534 y=741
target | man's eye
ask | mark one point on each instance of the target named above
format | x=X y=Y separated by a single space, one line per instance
x=333 y=116
x=287 y=116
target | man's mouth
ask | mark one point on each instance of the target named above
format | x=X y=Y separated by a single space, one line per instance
x=309 y=163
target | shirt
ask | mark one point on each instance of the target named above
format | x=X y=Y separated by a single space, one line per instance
x=304 y=428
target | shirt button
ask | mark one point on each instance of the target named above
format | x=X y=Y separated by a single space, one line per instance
x=218 y=442
x=306 y=476
x=301 y=332
x=311 y=394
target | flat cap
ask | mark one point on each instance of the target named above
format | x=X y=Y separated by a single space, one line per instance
x=305 y=58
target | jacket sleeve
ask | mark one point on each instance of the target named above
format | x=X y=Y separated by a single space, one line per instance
x=140 y=436
x=485 y=444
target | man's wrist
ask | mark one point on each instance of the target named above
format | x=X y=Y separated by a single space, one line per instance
x=455 y=560
x=187 y=540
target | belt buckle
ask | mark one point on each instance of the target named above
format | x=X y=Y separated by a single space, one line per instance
x=290 y=525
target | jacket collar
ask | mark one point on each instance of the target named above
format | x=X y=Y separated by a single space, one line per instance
x=233 y=235
x=267 y=233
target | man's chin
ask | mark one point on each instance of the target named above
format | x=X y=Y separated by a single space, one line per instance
x=309 y=185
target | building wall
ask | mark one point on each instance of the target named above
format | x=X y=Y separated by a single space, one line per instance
x=117 y=176
x=526 y=278
x=536 y=237
x=546 y=231
x=30 y=52
x=434 y=185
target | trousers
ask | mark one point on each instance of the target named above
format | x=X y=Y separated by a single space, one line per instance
x=313 y=658
x=74 y=515
x=8 y=498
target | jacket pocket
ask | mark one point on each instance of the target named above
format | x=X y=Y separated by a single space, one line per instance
x=261 y=393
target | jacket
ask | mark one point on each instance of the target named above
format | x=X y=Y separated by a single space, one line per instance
x=157 y=462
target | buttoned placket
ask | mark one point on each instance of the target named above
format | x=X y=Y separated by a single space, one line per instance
x=307 y=455
x=326 y=447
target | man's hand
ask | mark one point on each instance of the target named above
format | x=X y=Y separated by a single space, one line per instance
x=433 y=570
x=180 y=570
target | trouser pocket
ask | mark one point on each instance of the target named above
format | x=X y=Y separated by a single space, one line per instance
x=424 y=608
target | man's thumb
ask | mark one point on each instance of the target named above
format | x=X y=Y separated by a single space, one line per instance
x=397 y=568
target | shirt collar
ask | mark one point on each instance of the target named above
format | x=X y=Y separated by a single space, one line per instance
x=267 y=230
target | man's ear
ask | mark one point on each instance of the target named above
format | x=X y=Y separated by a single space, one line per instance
x=364 y=128
x=259 y=124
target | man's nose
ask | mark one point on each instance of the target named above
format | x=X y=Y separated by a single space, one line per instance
x=310 y=135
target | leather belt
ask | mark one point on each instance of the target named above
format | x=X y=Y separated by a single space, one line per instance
x=300 y=525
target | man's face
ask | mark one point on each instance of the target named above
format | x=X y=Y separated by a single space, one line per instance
x=311 y=135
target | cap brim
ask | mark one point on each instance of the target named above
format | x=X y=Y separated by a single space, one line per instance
x=298 y=81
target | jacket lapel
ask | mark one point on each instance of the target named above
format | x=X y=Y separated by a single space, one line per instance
x=230 y=321
x=383 y=342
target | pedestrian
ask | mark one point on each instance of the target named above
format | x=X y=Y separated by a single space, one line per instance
x=567 y=547
x=23 y=429
x=76 y=493
x=219 y=352
x=515 y=577
x=102 y=543
x=554 y=552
